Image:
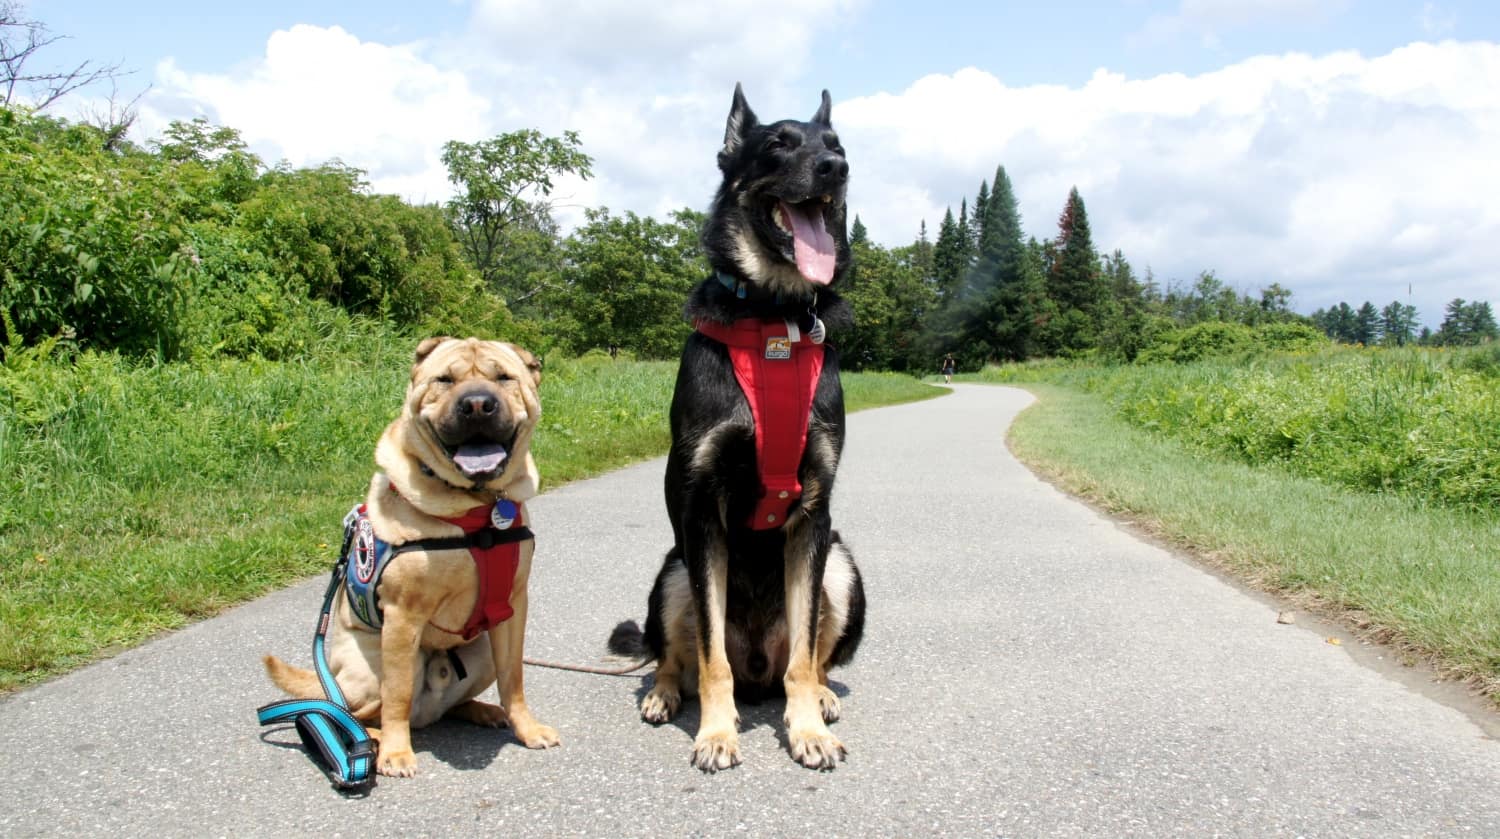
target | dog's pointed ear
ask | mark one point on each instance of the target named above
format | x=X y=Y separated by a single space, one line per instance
x=425 y=349
x=825 y=111
x=741 y=122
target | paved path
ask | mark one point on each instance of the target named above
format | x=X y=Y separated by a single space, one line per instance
x=1029 y=669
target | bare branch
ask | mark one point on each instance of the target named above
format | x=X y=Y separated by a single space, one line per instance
x=20 y=40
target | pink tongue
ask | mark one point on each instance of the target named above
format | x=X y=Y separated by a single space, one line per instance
x=811 y=242
x=479 y=458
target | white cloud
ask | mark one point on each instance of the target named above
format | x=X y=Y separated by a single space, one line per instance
x=319 y=94
x=1341 y=177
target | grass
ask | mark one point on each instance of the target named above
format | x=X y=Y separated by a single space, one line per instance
x=1399 y=569
x=135 y=499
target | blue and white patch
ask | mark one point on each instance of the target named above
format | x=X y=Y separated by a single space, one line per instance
x=503 y=515
x=365 y=552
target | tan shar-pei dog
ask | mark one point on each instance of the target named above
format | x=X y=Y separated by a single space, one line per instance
x=442 y=612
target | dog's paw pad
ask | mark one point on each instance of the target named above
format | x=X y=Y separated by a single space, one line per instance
x=660 y=705
x=828 y=703
x=816 y=749
x=539 y=737
x=713 y=752
x=397 y=764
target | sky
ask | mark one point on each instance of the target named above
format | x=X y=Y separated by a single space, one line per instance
x=1345 y=149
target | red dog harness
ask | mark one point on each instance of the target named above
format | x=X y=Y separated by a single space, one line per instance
x=492 y=534
x=778 y=369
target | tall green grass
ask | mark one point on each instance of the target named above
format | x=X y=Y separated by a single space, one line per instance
x=135 y=498
x=1417 y=422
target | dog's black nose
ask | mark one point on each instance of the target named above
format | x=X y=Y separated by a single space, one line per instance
x=477 y=405
x=831 y=167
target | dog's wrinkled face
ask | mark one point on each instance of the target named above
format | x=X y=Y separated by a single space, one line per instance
x=779 y=216
x=474 y=404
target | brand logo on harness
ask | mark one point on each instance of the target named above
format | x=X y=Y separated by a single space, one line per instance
x=364 y=551
x=778 y=347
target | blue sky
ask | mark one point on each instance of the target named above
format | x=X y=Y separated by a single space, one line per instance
x=1339 y=147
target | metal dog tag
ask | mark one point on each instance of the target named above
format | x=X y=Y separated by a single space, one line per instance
x=503 y=515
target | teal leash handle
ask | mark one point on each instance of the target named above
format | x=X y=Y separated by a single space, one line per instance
x=325 y=725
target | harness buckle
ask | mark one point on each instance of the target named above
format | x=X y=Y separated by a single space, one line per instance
x=483 y=539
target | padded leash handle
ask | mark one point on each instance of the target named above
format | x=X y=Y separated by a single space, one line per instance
x=326 y=727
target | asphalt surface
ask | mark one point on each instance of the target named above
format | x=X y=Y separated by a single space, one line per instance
x=1029 y=669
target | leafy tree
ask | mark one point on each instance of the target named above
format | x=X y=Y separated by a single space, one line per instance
x=505 y=183
x=626 y=280
x=1276 y=301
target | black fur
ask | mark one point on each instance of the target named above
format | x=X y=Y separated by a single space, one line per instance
x=762 y=165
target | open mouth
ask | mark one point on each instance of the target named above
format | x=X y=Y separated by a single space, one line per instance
x=479 y=459
x=812 y=247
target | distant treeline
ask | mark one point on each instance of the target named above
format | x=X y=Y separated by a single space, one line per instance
x=192 y=247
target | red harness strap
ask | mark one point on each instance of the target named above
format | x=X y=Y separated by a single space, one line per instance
x=779 y=376
x=496 y=566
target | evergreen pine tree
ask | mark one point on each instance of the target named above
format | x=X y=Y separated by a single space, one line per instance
x=1366 y=325
x=857 y=231
x=948 y=257
x=1075 y=284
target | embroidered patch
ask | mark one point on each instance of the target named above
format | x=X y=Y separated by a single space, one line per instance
x=364 y=551
x=778 y=347
x=503 y=514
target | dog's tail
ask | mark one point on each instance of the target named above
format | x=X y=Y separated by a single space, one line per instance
x=296 y=681
x=628 y=641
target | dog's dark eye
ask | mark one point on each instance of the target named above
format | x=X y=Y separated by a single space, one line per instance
x=832 y=142
x=444 y=380
x=505 y=377
x=775 y=144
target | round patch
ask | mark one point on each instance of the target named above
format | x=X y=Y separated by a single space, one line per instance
x=817 y=333
x=503 y=515
x=364 y=551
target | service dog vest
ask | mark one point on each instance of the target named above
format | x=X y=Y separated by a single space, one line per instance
x=492 y=534
x=777 y=367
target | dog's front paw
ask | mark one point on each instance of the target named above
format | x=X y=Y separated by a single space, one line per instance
x=396 y=764
x=537 y=736
x=815 y=747
x=828 y=703
x=660 y=705
x=713 y=751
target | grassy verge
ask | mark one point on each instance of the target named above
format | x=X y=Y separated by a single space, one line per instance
x=135 y=499
x=1402 y=570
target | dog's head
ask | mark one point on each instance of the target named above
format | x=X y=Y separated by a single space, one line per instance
x=779 y=218
x=470 y=410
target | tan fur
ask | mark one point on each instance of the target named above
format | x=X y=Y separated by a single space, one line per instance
x=400 y=674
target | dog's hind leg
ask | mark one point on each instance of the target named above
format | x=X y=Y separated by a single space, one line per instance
x=812 y=744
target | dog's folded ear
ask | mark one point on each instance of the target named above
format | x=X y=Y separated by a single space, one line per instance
x=825 y=111
x=532 y=363
x=426 y=347
x=741 y=122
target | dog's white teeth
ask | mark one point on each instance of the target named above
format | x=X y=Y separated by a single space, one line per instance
x=828 y=199
x=779 y=218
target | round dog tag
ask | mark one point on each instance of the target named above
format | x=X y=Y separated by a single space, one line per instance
x=504 y=514
x=816 y=334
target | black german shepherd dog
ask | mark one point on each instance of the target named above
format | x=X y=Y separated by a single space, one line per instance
x=749 y=602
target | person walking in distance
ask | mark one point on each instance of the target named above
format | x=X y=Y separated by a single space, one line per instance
x=948 y=365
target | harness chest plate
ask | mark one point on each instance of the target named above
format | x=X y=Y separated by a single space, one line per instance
x=777 y=368
x=492 y=535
